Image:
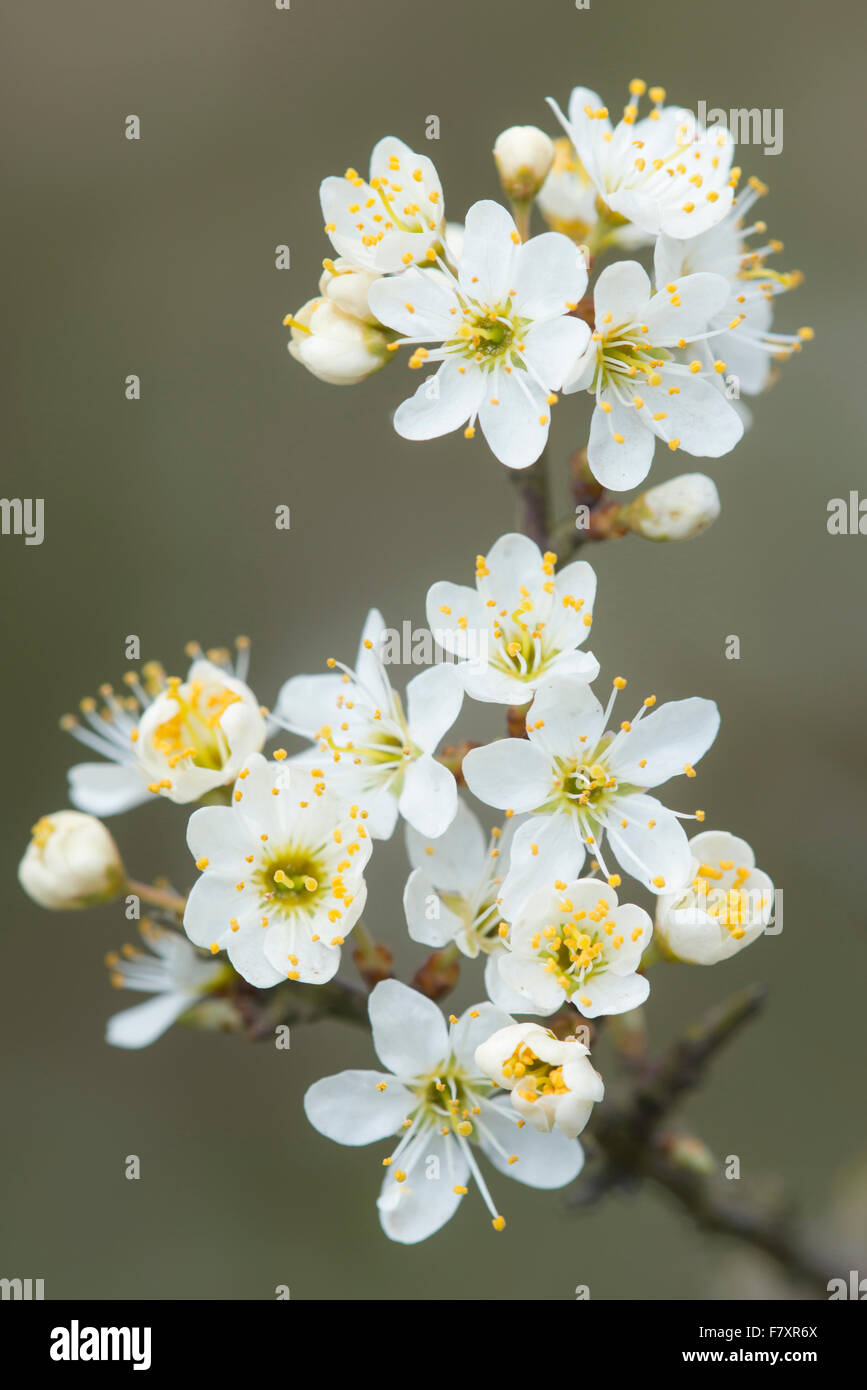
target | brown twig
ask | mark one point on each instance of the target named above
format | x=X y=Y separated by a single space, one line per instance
x=453 y=756
x=261 y=1011
x=633 y=1148
x=534 y=495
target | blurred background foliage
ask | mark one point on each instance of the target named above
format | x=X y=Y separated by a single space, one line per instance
x=157 y=258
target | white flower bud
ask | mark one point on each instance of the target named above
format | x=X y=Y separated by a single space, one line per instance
x=346 y=285
x=524 y=155
x=567 y=199
x=72 y=861
x=676 y=510
x=336 y=346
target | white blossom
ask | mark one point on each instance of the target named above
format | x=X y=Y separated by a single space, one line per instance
x=435 y=1096
x=551 y=1080
x=573 y=943
x=379 y=754
x=726 y=906
x=663 y=172
x=568 y=202
x=521 y=623
x=501 y=332
x=167 y=737
x=393 y=220
x=172 y=971
x=584 y=786
x=453 y=890
x=643 y=390
x=282 y=874
x=741 y=328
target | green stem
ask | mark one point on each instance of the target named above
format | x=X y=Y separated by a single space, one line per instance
x=521 y=213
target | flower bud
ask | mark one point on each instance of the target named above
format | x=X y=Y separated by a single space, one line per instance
x=676 y=510
x=72 y=861
x=567 y=200
x=524 y=155
x=690 y=1153
x=346 y=285
x=336 y=346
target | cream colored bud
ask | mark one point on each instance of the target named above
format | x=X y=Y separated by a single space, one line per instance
x=346 y=285
x=335 y=346
x=676 y=510
x=524 y=155
x=567 y=199
x=71 y=861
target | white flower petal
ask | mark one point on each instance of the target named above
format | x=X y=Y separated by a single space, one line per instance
x=455 y=861
x=457 y=618
x=611 y=994
x=530 y=981
x=409 y=1032
x=544 y=1160
x=711 y=846
x=305 y=703
x=351 y=1109
x=212 y=902
x=415 y=304
x=382 y=812
x=515 y=418
x=619 y=466
x=494 y=687
x=510 y=773
x=545 y=848
x=659 y=853
x=144 y=1023
x=623 y=290
x=705 y=423
x=700 y=296
x=106 y=789
x=554 y=347
x=442 y=403
x=429 y=799
x=433 y=703
x=513 y=563
x=412 y=1210
x=473 y=1027
x=217 y=834
x=497 y=989
x=565 y=719
x=489 y=253
x=551 y=273
x=663 y=744
x=419 y=896
x=246 y=950
x=289 y=950
x=566 y=625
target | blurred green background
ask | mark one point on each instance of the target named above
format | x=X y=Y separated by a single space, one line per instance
x=156 y=257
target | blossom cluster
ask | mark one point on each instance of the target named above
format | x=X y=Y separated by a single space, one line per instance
x=510 y=321
x=518 y=848
x=282 y=841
